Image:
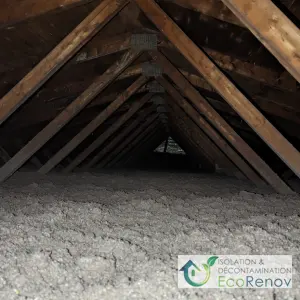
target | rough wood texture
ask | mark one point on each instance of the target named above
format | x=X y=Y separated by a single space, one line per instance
x=273 y=28
x=92 y=126
x=276 y=141
x=13 y=11
x=129 y=143
x=103 y=137
x=213 y=8
x=59 y=56
x=66 y=115
x=190 y=147
x=209 y=130
x=201 y=141
x=118 y=139
x=223 y=127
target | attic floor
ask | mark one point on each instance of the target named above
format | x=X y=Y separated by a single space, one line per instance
x=117 y=235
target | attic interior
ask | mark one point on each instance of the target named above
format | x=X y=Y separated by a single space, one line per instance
x=153 y=110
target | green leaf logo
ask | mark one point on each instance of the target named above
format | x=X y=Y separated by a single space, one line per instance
x=211 y=261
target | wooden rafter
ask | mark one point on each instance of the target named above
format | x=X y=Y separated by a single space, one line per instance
x=66 y=115
x=59 y=56
x=109 y=132
x=143 y=147
x=190 y=148
x=273 y=28
x=130 y=142
x=276 y=141
x=221 y=125
x=201 y=141
x=93 y=125
x=213 y=134
x=118 y=139
x=100 y=48
x=13 y=11
x=149 y=143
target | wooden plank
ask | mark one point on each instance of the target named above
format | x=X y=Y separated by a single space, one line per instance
x=197 y=138
x=66 y=115
x=221 y=125
x=59 y=56
x=190 y=149
x=276 y=141
x=212 y=133
x=104 y=136
x=138 y=147
x=14 y=11
x=272 y=28
x=92 y=126
x=212 y=8
x=124 y=134
x=149 y=143
x=229 y=63
x=127 y=144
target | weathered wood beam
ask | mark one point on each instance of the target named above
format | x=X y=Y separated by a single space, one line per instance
x=119 y=138
x=276 y=141
x=224 y=61
x=190 y=148
x=66 y=115
x=196 y=138
x=104 y=136
x=93 y=125
x=150 y=142
x=272 y=28
x=59 y=56
x=200 y=140
x=221 y=125
x=129 y=142
x=14 y=11
x=212 y=8
x=212 y=133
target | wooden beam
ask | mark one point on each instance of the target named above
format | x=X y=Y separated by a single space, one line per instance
x=130 y=142
x=276 y=141
x=272 y=28
x=93 y=125
x=199 y=139
x=212 y=8
x=195 y=138
x=190 y=148
x=212 y=133
x=104 y=136
x=149 y=143
x=122 y=42
x=59 y=56
x=66 y=115
x=221 y=125
x=119 y=138
x=14 y=11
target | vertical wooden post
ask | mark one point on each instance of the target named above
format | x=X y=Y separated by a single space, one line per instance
x=66 y=115
x=219 y=123
x=105 y=11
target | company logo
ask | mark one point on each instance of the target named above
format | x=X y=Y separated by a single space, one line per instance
x=190 y=268
x=235 y=271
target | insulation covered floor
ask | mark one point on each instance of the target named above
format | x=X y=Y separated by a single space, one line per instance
x=117 y=235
